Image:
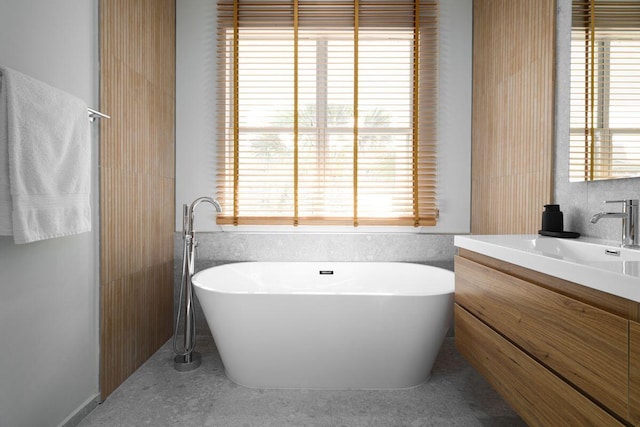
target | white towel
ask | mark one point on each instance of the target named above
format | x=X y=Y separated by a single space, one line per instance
x=45 y=160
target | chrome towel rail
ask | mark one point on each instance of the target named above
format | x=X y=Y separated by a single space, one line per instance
x=94 y=114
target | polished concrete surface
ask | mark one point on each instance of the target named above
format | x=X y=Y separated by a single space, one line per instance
x=157 y=395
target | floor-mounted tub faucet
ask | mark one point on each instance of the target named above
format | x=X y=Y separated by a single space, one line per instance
x=629 y=216
x=186 y=359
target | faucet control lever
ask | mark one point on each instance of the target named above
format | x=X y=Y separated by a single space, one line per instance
x=625 y=202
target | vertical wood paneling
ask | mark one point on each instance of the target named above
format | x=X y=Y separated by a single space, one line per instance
x=137 y=88
x=513 y=114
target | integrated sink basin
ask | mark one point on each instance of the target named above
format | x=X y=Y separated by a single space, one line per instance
x=598 y=264
x=583 y=250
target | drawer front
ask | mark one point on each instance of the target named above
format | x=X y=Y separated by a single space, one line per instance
x=634 y=372
x=585 y=345
x=540 y=397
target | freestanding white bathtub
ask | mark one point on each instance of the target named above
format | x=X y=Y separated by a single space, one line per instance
x=337 y=325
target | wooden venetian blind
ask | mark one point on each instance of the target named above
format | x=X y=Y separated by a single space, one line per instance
x=605 y=89
x=329 y=112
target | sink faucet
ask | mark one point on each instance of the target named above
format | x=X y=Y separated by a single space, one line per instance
x=629 y=215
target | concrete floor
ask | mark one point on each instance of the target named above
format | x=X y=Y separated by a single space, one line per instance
x=157 y=395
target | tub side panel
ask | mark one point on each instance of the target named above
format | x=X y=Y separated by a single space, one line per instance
x=327 y=341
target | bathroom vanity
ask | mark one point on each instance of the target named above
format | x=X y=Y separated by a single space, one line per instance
x=553 y=325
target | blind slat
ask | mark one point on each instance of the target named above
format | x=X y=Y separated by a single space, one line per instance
x=616 y=14
x=326 y=13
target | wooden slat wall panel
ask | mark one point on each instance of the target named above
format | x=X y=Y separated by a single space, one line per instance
x=513 y=114
x=137 y=198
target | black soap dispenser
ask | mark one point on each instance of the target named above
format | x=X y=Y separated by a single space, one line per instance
x=552 y=219
x=553 y=223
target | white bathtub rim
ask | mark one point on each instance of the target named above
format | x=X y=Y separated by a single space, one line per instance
x=443 y=284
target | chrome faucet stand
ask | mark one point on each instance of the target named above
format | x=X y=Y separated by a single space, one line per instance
x=186 y=358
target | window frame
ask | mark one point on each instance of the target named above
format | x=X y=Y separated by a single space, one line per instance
x=323 y=130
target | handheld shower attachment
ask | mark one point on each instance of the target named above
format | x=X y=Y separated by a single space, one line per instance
x=186 y=359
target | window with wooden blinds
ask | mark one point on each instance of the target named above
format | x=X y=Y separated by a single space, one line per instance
x=605 y=89
x=330 y=112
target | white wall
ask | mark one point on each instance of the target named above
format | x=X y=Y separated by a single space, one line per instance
x=196 y=112
x=195 y=105
x=579 y=201
x=49 y=289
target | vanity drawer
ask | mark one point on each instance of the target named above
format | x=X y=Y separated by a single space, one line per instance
x=634 y=372
x=585 y=345
x=540 y=397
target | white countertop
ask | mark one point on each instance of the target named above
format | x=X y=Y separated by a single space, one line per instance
x=597 y=264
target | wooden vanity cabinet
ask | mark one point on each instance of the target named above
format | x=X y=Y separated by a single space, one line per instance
x=539 y=396
x=634 y=372
x=559 y=353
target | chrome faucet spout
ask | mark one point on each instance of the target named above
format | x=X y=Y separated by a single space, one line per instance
x=199 y=200
x=629 y=216
x=597 y=217
x=192 y=208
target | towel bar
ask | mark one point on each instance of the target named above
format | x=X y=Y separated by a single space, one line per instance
x=94 y=114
